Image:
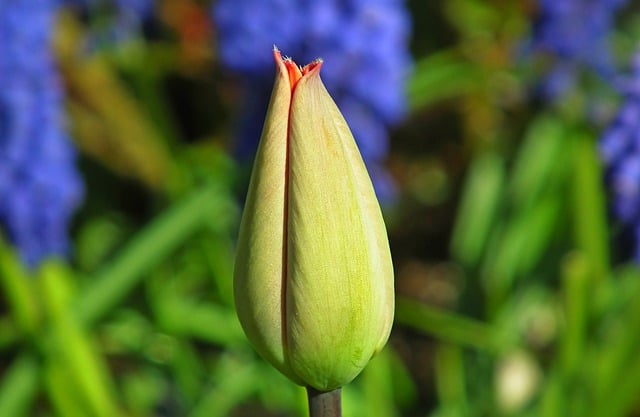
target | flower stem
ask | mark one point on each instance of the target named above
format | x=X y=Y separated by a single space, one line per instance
x=324 y=404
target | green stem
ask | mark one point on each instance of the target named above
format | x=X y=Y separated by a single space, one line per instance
x=324 y=404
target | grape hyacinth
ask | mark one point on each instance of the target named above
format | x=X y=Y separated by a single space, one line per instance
x=39 y=185
x=364 y=44
x=620 y=152
x=574 y=33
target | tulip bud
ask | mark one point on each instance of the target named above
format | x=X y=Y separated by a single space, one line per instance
x=313 y=279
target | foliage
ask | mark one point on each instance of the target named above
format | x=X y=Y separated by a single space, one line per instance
x=516 y=291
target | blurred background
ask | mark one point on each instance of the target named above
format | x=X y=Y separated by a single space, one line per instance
x=503 y=139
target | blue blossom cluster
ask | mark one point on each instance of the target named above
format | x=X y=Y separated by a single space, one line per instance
x=574 y=33
x=364 y=44
x=620 y=152
x=39 y=185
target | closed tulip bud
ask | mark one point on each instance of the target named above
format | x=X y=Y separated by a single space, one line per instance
x=313 y=279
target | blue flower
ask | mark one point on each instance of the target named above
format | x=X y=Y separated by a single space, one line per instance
x=620 y=152
x=574 y=34
x=39 y=185
x=364 y=44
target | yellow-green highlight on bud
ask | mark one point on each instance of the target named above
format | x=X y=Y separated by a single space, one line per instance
x=313 y=280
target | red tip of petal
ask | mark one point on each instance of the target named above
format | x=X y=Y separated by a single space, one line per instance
x=311 y=66
x=295 y=72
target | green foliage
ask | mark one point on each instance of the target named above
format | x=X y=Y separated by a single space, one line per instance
x=524 y=308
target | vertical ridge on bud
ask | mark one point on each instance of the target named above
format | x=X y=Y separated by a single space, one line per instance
x=260 y=266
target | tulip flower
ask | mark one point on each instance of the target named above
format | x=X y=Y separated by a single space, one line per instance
x=313 y=279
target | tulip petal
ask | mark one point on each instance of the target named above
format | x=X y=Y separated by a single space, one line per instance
x=339 y=289
x=260 y=267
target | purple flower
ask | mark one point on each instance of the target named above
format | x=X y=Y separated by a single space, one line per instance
x=574 y=34
x=620 y=152
x=364 y=44
x=39 y=185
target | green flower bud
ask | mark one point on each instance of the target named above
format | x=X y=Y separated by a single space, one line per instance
x=313 y=278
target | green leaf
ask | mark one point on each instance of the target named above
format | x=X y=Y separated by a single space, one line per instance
x=589 y=206
x=441 y=76
x=19 y=386
x=153 y=244
x=540 y=162
x=479 y=206
x=445 y=325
